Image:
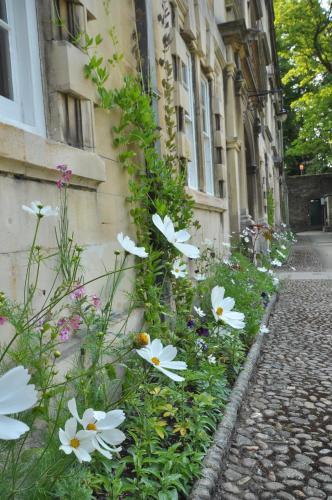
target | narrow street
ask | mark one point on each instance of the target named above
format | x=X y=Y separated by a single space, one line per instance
x=282 y=448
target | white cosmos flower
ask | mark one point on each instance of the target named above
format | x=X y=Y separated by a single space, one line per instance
x=264 y=329
x=262 y=269
x=212 y=359
x=200 y=276
x=222 y=309
x=276 y=263
x=275 y=281
x=199 y=311
x=162 y=359
x=39 y=210
x=102 y=427
x=130 y=246
x=78 y=442
x=176 y=238
x=16 y=395
x=179 y=270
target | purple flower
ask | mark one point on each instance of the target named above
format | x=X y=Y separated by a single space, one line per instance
x=190 y=323
x=3 y=320
x=78 y=293
x=64 y=333
x=202 y=331
x=96 y=301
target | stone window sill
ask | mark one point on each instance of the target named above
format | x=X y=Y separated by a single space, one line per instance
x=36 y=157
x=206 y=201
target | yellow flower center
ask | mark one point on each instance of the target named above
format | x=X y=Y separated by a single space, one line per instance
x=91 y=427
x=155 y=361
x=74 y=443
x=219 y=311
x=177 y=270
x=142 y=338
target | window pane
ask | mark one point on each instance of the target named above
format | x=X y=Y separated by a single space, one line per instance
x=6 y=87
x=3 y=10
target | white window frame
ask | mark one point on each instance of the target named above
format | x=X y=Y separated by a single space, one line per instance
x=207 y=137
x=190 y=125
x=26 y=110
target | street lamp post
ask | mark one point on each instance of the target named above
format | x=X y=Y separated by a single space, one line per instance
x=301 y=167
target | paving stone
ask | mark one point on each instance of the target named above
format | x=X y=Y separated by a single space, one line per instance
x=285 y=423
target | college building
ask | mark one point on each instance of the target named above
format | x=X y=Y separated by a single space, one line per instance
x=227 y=103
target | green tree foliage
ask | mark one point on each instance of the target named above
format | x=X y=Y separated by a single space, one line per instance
x=304 y=37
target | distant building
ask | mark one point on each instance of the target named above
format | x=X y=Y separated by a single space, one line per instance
x=310 y=200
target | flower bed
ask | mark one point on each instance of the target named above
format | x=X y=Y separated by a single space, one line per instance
x=135 y=413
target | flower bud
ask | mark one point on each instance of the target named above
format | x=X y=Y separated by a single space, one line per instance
x=141 y=339
x=56 y=354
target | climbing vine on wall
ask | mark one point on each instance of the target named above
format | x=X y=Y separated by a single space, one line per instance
x=157 y=181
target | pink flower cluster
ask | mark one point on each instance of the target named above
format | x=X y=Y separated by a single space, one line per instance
x=3 y=320
x=96 y=301
x=78 y=293
x=68 y=325
x=66 y=174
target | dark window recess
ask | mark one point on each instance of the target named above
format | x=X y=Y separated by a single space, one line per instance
x=142 y=30
x=74 y=129
x=221 y=189
x=173 y=15
x=73 y=20
x=264 y=194
x=6 y=88
x=218 y=122
x=175 y=62
x=180 y=118
x=219 y=155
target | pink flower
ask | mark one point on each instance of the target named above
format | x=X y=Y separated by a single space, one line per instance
x=64 y=333
x=62 y=168
x=3 y=320
x=66 y=174
x=78 y=293
x=75 y=322
x=96 y=301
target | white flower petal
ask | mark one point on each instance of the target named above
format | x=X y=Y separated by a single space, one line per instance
x=188 y=250
x=217 y=296
x=11 y=428
x=15 y=393
x=73 y=409
x=113 y=436
x=182 y=236
x=167 y=354
x=70 y=427
x=174 y=365
x=170 y=374
x=111 y=420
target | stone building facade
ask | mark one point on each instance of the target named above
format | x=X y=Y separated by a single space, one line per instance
x=226 y=99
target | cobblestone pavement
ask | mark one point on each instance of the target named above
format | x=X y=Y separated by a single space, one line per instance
x=282 y=448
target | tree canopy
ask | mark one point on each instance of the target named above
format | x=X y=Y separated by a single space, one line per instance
x=304 y=38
